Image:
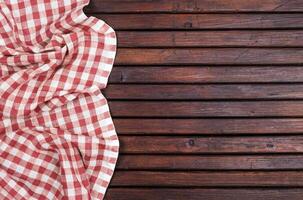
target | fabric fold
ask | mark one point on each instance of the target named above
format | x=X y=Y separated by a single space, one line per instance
x=57 y=138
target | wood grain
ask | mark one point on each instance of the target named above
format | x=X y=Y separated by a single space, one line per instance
x=207 y=109
x=214 y=126
x=217 y=56
x=204 y=92
x=207 y=74
x=208 y=194
x=212 y=162
x=210 y=145
x=206 y=96
x=209 y=179
x=196 y=6
x=230 y=38
x=202 y=21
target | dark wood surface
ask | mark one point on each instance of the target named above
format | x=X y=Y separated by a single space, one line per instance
x=198 y=193
x=207 y=98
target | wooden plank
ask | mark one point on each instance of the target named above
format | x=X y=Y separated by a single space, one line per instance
x=217 y=56
x=283 y=38
x=204 y=92
x=208 y=74
x=214 y=162
x=207 y=109
x=193 y=6
x=210 y=145
x=208 y=179
x=209 y=126
x=208 y=194
x=202 y=21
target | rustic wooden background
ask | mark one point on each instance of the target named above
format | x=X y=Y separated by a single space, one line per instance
x=207 y=98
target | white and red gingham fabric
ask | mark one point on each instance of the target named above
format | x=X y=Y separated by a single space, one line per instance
x=57 y=138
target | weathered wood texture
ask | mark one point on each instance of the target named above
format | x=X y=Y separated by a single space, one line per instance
x=210 y=162
x=215 y=126
x=207 y=99
x=198 y=6
x=209 y=56
x=204 y=92
x=230 y=38
x=208 y=179
x=210 y=145
x=198 y=194
x=207 y=109
x=208 y=74
x=202 y=21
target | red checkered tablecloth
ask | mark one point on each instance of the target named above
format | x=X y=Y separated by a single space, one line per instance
x=57 y=138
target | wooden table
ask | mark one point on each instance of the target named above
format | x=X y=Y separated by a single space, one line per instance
x=206 y=97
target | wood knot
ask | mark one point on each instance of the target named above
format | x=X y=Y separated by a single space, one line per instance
x=270 y=145
x=188 y=25
x=121 y=77
x=191 y=142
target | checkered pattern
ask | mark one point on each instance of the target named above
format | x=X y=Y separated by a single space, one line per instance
x=57 y=138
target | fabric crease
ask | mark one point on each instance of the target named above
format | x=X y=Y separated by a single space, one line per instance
x=57 y=138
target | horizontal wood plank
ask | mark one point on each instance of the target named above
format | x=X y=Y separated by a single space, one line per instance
x=208 y=194
x=217 y=56
x=196 y=6
x=204 y=92
x=214 y=162
x=210 y=179
x=208 y=74
x=210 y=145
x=276 y=38
x=207 y=109
x=208 y=126
x=202 y=21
